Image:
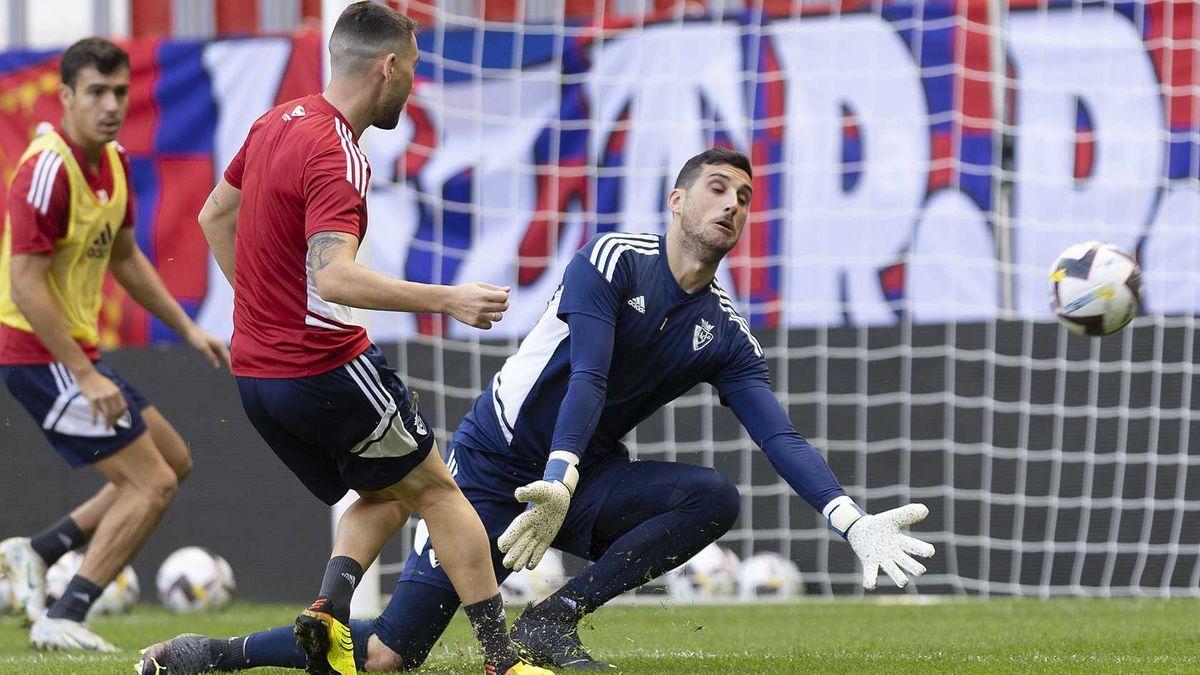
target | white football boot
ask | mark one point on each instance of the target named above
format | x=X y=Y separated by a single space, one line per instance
x=63 y=634
x=26 y=572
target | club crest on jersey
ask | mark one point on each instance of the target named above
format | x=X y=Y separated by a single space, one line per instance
x=702 y=335
x=298 y=111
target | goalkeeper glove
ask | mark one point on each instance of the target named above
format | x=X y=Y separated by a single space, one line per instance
x=526 y=539
x=877 y=541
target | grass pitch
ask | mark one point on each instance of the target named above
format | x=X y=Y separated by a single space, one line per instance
x=961 y=636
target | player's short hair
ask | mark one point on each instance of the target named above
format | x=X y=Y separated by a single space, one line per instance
x=366 y=31
x=96 y=52
x=691 y=168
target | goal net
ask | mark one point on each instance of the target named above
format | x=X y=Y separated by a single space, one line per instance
x=918 y=166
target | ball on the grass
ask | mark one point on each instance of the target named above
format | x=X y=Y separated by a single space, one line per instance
x=768 y=575
x=194 y=579
x=710 y=574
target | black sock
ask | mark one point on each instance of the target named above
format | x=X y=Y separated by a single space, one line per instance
x=487 y=620
x=54 y=541
x=76 y=600
x=342 y=575
x=228 y=654
x=559 y=608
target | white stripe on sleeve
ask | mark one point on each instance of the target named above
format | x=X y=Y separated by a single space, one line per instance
x=43 y=204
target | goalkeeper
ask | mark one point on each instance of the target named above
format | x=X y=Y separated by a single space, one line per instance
x=638 y=321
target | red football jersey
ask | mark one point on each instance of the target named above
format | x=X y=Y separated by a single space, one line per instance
x=300 y=172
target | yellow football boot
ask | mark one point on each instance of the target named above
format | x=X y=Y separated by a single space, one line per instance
x=326 y=642
x=522 y=668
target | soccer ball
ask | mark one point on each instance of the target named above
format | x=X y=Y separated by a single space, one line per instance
x=768 y=574
x=527 y=585
x=119 y=596
x=710 y=574
x=6 y=599
x=1095 y=288
x=194 y=579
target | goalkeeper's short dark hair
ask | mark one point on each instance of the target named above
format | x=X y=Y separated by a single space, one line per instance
x=691 y=168
x=98 y=53
x=367 y=30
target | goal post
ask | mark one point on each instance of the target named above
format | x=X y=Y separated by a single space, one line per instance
x=918 y=166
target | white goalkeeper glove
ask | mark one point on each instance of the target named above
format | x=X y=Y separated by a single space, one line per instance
x=526 y=539
x=877 y=540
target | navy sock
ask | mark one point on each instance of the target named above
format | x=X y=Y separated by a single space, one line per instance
x=274 y=647
x=76 y=600
x=277 y=647
x=342 y=575
x=53 y=542
x=414 y=620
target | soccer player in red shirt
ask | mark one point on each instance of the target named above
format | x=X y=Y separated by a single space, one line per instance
x=285 y=224
x=68 y=221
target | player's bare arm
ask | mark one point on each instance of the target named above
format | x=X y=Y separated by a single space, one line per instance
x=136 y=275
x=31 y=293
x=218 y=220
x=343 y=281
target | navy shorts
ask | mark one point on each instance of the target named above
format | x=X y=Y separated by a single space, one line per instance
x=355 y=427
x=52 y=397
x=488 y=483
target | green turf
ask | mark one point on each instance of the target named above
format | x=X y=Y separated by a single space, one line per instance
x=1080 y=636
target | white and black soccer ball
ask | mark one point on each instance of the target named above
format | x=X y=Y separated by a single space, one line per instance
x=710 y=575
x=1095 y=288
x=119 y=596
x=194 y=579
x=768 y=575
x=527 y=585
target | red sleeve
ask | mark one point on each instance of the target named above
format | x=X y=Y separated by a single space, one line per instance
x=38 y=204
x=237 y=166
x=233 y=172
x=331 y=201
x=129 y=196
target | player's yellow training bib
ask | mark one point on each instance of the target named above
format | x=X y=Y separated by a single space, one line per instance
x=80 y=257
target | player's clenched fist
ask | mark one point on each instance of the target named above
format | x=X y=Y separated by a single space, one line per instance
x=478 y=304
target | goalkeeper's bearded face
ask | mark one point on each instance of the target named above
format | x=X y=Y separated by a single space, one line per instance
x=713 y=210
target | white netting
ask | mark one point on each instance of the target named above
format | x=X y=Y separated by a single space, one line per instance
x=911 y=190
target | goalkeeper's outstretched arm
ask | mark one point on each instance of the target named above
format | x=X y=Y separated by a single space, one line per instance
x=588 y=302
x=876 y=539
x=530 y=534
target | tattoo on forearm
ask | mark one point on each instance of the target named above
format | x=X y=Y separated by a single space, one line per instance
x=323 y=248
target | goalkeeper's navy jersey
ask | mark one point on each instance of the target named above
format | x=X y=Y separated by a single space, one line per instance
x=666 y=342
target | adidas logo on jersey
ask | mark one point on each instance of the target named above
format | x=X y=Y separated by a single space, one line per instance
x=100 y=245
x=702 y=335
x=638 y=303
